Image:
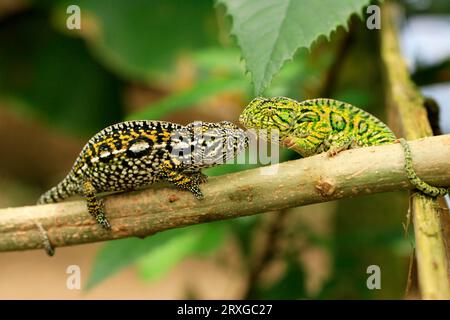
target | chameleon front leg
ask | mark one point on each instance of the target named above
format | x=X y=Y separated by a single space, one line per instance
x=94 y=205
x=198 y=177
x=304 y=145
x=183 y=180
x=340 y=144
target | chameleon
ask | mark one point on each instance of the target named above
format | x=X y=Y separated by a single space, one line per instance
x=325 y=125
x=133 y=154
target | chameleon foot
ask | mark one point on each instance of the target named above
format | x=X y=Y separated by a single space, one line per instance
x=420 y=185
x=183 y=180
x=196 y=191
x=333 y=152
x=94 y=205
x=340 y=145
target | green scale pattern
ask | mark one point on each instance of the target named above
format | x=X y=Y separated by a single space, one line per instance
x=325 y=125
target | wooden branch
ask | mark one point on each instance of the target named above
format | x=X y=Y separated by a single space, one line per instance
x=295 y=183
x=407 y=109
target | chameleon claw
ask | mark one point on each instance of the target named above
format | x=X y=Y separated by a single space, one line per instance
x=334 y=152
x=199 y=196
x=197 y=192
x=104 y=223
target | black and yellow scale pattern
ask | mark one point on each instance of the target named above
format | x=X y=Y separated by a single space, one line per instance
x=133 y=154
x=325 y=125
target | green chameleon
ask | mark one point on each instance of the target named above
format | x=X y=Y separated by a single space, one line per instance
x=324 y=125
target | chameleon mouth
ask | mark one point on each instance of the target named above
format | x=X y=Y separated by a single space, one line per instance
x=243 y=119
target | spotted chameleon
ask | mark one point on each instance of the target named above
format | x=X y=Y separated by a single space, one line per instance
x=324 y=125
x=133 y=154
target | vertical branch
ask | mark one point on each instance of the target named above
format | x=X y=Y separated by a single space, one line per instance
x=407 y=110
x=269 y=251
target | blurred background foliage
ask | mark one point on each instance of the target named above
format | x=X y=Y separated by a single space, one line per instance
x=174 y=60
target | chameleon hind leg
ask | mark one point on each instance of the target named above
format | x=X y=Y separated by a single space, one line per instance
x=94 y=205
x=184 y=180
x=414 y=179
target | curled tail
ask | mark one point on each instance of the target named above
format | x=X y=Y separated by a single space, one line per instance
x=61 y=191
x=415 y=180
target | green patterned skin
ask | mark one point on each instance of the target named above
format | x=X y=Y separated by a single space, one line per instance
x=324 y=125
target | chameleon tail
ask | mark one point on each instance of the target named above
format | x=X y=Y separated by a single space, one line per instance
x=61 y=191
x=414 y=179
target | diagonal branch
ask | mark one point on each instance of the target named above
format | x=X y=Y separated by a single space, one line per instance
x=299 y=182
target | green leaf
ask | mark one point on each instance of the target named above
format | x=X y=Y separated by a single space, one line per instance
x=118 y=254
x=269 y=32
x=219 y=60
x=200 y=239
x=170 y=246
x=158 y=262
x=189 y=97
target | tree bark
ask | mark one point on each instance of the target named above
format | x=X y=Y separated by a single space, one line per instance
x=294 y=183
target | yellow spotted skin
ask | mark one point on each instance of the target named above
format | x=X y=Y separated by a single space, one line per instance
x=325 y=125
x=133 y=154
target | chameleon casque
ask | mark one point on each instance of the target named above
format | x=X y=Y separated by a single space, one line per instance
x=324 y=125
x=133 y=154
